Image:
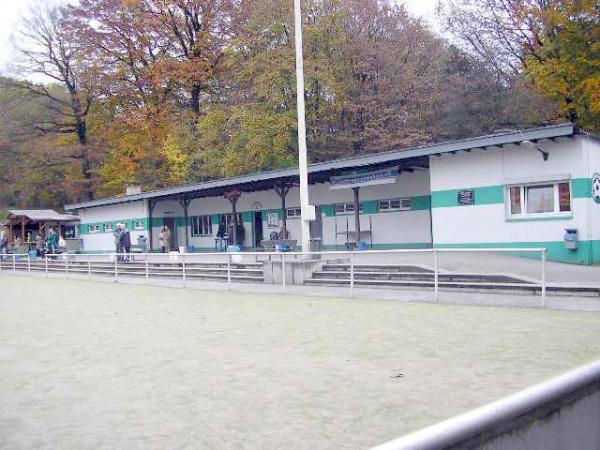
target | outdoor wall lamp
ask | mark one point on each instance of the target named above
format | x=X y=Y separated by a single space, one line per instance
x=544 y=153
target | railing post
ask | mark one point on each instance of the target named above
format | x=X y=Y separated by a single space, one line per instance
x=14 y=262
x=283 y=281
x=28 y=263
x=66 y=265
x=435 y=276
x=146 y=267
x=89 y=264
x=351 y=274
x=46 y=264
x=228 y=270
x=183 y=270
x=544 y=278
x=116 y=268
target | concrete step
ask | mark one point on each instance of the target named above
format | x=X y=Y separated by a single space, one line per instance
x=458 y=277
x=474 y=286
x=377 y=268
x=173 y=271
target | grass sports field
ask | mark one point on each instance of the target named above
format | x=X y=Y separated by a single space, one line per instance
x=99 y=365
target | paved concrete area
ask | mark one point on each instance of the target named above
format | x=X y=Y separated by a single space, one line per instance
x=100 y=365
x=467 y=262
x=488 y=262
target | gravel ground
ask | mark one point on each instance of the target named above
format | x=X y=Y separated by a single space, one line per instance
x=99 y=365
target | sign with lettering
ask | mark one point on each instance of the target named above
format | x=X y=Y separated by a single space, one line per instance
x=466 y=197
x=370 y=178
x=596 y=187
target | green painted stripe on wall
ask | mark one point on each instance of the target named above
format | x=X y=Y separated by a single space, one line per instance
x=83 y=227
x=489 y=195
x=485 y=195
x=581 y=188
x=371 y=207
x=422 y=203
x=587 y=253
x=328 y=210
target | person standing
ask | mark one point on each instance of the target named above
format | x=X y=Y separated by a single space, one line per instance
x=117 y=236
x=3 y=244
x=39 y=245
x=125 y=240
x=161 y=239
x=62 y=244
x=52 y=241
x=167 y=239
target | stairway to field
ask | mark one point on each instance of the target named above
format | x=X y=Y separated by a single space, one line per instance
x=246 y=272
x=409 y=276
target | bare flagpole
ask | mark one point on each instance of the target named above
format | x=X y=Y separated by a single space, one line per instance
x=302 y=157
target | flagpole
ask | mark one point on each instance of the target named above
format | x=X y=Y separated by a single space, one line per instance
x=302 y=156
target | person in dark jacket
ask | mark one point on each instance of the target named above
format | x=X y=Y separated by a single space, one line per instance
x=125 y=239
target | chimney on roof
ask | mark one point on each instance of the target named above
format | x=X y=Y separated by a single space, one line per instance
x=133 y=190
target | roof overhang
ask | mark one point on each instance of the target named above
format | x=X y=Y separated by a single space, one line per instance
x=36 y=215
x=406 y=159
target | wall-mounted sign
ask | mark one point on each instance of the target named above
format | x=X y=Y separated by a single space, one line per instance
x=596 y=187
x=358 y=179
x=466 y=197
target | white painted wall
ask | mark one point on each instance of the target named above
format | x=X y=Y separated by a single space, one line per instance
x=592 y=154
x=102 y=241
x=488 y=223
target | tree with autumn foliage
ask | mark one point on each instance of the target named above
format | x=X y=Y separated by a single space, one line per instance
x=167 y=92
x=553 y=44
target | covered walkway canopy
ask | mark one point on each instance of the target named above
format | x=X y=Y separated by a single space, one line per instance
x=35 y=220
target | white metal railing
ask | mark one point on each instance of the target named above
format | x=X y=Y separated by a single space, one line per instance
x=516 y=416
x=51 y=263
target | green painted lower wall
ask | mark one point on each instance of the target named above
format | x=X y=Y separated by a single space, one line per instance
x=587 y=253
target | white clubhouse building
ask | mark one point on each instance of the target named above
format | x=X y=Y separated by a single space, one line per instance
x=514 y=189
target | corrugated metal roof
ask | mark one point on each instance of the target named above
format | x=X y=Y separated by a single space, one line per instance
x=501 y=138
x=38 y=215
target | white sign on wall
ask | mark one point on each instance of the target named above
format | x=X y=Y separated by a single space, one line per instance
x=358 y=179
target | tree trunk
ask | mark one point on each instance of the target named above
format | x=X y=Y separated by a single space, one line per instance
x=196 y=90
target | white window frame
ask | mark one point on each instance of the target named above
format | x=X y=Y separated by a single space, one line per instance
x=347 y=208
x=523 y=194
x=70 y=227
x=93 y=228
x=293 y=213
x=138 y=225
x=386 y=205
x=201 y=226
x=108 y=228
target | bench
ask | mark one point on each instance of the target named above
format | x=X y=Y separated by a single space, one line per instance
x=271 y=245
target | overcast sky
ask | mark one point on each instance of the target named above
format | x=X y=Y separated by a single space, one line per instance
x=11 y=10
